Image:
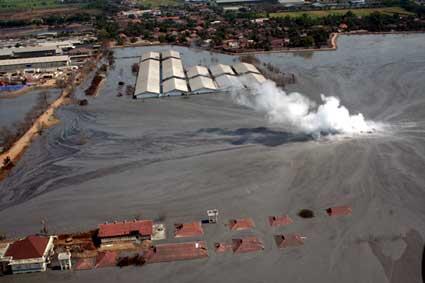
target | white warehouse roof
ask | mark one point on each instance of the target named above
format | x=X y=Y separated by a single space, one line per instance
x=174 y=84
x=172 y=68
x=228 y=81
x=253 y=78
x=242 y=68
x=148 y=78
x=200 y=82
x=170 y=53
x=46 y=59
x=197 y=71
x=34 y=49
x=150 y=55
x=221 y=69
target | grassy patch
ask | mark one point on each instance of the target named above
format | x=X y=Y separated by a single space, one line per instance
x=358 y=12
x=28 y=4
x=157 y=3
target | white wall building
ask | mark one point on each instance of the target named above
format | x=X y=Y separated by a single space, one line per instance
x=201 y=84
x=148 y=80
x=243 y=68
x=221 y=69
x=174 y=87
x=228 y=82
x=197 y=71
x=172 y=68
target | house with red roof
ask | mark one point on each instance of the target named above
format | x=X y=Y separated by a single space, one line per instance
x=132 y=231
x=31 y=254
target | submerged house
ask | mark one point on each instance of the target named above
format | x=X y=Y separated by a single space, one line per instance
x=31 y=254
x=130 y=231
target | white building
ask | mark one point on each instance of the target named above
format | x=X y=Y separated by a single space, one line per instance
x=201 y=84
x=172 y=68
x=148 y=80
x=174 y=87
x=42 y=63
x=291 y=2
x=170 y=54
x=228 y=82
x=197 y=71
x=31 y=254
x=64 y=259
x=243 y=68
x=250 y=79
x=221 y=69
x=150 y=55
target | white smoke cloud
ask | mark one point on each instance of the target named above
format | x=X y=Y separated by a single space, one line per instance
x=298 y=113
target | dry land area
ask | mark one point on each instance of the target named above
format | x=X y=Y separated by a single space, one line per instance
x=171 y=159
x=358 y=12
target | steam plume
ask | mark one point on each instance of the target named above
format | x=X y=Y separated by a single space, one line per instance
x=298 y=113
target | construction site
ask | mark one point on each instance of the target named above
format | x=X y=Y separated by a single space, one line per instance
x=126 y=183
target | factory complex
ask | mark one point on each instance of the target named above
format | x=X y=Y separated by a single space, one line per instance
x=163 y=74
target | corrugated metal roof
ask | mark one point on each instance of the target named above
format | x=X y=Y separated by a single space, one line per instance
x=174 y=84
x=221 y=69
x=201 y=82
x=253 y=78
x=228 y=81
x=34 y=49
x=242 y=68
x=46 y=59
x=170 y=53
x=148 y=77
x=6 y=52
x=150 y=55
x=172 y=68
x=197 y=71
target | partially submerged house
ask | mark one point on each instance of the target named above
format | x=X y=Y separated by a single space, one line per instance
x=195 y=71
x=148 y=79
x=241 y=224
x=247 y=244
x=221 y=69
x=174 y=87
x=339 y=211
x=126 y=231
x=290 y=240
x=276 y=221
x=31 y=254
x=201 y=84
x=193 y=229
x=244 y=68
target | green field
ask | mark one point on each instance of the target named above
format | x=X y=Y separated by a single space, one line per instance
x=157 y=3
x=358 y=12
x=28 y=4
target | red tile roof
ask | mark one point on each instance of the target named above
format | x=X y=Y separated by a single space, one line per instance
x=193 y=229
x=291 y=240
x=85 y=263
x=177 y=251
x=276 y=221
x=143 y=227
x=105 y=259
x=247 y=244
x=241 y=224
x=30 y=247
x=339 y=210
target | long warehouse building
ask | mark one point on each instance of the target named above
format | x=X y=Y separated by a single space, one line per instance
x=201 y=84
x=43 y=63
x=243 y=68
x=148 y=80
x=221 y=69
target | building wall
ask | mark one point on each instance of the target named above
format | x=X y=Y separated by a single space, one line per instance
x=20 y=67
x=29 y=267
x=35 y=54
x=146 y=95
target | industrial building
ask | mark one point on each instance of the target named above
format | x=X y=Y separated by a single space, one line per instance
x=221 y=69
x=227 y=82
x=197 y=71
x=243 y=68
x=225 y=2
x=36 y=51
x=250 y=78
x=43 y=63
x=172 y=68
x=150 y=55
x=201 y=84
x=174 y=87
x=148 y=80
x=170 y=54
